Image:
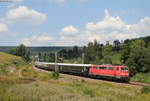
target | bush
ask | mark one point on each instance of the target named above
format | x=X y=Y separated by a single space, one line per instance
x=3 y=71
x=145 y=89
x=55 y=75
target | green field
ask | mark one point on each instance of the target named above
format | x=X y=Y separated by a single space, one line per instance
x=26 y=84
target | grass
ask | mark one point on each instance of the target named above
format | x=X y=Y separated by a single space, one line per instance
x=7 y=59
x=27 y=84
x=141 y=77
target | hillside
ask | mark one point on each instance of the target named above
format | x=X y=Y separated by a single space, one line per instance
x=8 y=58
x=27 y=84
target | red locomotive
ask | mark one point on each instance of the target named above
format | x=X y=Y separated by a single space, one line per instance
x=119 y=72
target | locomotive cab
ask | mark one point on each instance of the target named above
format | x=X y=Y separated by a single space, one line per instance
x=122 y=73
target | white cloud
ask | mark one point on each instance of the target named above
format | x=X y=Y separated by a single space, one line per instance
x=59 y=2
x=25 y=15
x=3 y=27
x=62 y=2
x=4 y=30
x=109 y=28
x=18 y=0
x=37 y=40
x=142 y=28
x=69 y=30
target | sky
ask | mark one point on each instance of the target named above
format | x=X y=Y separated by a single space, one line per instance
x=72 y=22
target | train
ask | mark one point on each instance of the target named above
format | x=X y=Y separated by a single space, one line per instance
x=107 y=71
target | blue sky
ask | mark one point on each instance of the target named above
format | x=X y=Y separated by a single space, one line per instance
x=72 y=22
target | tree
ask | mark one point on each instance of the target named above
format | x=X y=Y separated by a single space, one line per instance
x=51 y=57
x=139 y=56
x=40 y=56
x=75 y=52
x=21 y=50
x=27 y=56
x=107 y=49
x=93 y=52
x=116 y=45
x=45 y=57
x=125 y=52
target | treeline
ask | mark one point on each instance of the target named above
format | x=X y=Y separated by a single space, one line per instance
x=134 y=53
x=64 y=55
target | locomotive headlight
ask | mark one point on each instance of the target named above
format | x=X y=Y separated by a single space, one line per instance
x=123 y=73
x=127 y=73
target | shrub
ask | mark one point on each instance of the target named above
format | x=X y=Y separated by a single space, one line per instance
x=55 y=75
x=3 y=71
x=145 y=89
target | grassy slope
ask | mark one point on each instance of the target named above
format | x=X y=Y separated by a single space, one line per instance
x=26 y=84
x=8 y=58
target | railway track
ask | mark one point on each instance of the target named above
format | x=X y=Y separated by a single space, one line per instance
x=79 y=78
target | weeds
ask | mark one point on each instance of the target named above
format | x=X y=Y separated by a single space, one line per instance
x=89 y=92
x=81 y=87
x=75 y=85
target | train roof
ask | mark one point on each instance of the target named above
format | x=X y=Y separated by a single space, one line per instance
x=64 y=64
x=75 y=65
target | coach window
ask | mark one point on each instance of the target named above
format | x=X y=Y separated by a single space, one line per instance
x=110 y=68
x=102 y=67
x=117 y=68
x=95 y=67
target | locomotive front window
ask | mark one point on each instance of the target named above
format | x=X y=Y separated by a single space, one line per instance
x=124 y=68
